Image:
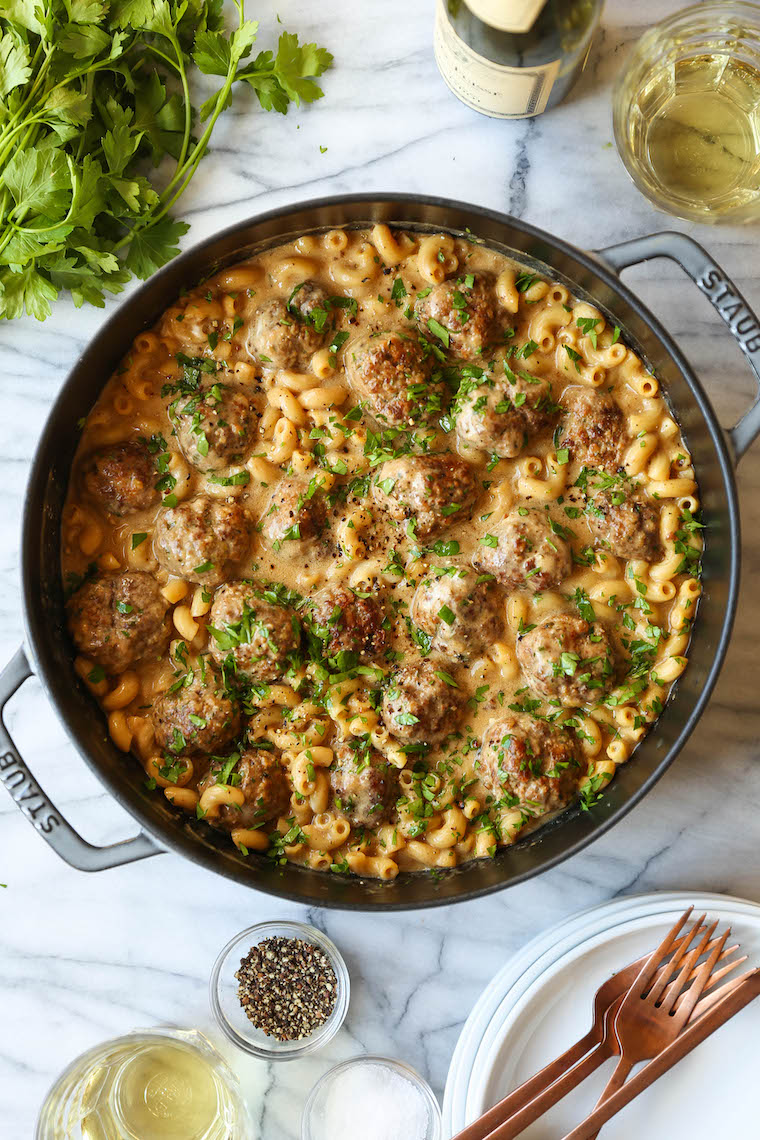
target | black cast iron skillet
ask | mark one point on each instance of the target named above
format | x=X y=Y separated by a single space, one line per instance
x=593 y=275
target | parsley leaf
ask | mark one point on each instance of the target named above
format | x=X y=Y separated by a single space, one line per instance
x=93 y=97
x=438 y=330
x=152 y=247
x=587 y=325
x=574 y=356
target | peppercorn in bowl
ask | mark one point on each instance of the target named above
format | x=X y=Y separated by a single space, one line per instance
x=280 y=990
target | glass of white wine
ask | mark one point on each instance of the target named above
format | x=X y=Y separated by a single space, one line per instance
x=149 y=1085
x=686 y=113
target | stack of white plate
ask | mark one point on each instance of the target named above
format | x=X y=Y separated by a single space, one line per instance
x=541 y=1002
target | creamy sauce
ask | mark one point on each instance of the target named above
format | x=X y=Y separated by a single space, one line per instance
x=446 y=813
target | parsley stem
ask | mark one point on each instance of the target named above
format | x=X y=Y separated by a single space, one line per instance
x=19 y=115
x=187 y=170
x=180 y=68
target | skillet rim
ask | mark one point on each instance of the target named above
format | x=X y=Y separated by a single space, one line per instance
x=172 y=837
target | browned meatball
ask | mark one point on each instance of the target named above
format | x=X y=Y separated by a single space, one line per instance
x=568 y=659
x=295 y=515
x=214 y=425
x=198 y=718
x=419 y=704
x=118 y=620
x=363 y=783
x=460 y=614
x=465 y=308
x=523 y=550
x=436 y=491
x=121 y=478
x=392 y=375
x=286 y=334
x=629 y=524
x=202 y=539
x=346 y=623
x=256 y=632
x=261 y=778
x=594 y=428
x=502 y=416
x=531 y=762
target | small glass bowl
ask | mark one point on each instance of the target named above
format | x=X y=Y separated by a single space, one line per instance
x=231 y=1016
x=316 y=1101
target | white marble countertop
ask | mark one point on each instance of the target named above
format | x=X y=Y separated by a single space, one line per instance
x=83 y=958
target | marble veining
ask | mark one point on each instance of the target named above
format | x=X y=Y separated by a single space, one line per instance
x=87 y=957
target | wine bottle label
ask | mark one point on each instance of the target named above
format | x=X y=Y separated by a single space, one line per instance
x=491 y=88
x=507 y=15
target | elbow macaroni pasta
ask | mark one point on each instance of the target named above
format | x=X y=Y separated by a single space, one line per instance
x=324 y=769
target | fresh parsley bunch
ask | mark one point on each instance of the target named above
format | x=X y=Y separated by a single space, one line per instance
x=94 y=92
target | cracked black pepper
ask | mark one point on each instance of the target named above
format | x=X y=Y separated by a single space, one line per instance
x=287 y=987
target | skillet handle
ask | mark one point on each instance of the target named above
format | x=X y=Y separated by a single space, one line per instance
x=40 y=811
x=722 y=294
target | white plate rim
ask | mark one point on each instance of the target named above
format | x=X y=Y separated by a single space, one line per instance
x=512 y=982
x=484 y=1062
x=509 y=980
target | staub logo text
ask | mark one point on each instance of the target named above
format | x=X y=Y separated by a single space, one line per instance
x=32 y=801
x=733 y=310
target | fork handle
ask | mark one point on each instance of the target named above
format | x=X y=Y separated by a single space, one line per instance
x=481 y=1128
x=535 y=1108
x=616 y=1081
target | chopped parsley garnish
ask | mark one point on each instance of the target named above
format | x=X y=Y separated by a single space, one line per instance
x=445 y=549
x=446 y=678
x=239 y=479
x=336 y=344
x=690 y=554
x=583 y=602
x=587 y=325
x=574 y=356
x=398 y=292
x=525 y=280
x=438 y=330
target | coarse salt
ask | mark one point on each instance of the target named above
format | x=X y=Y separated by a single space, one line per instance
x=372 y=1101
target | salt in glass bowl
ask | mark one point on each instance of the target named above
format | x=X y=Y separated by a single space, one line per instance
x=316 y=1102
x=230 y=1014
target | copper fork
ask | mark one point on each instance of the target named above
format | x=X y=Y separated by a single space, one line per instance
x=508 y=1119
x=657 y=1007
x=730 y=999
x=608 y=993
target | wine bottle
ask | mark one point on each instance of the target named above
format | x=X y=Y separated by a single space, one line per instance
x=512 y=59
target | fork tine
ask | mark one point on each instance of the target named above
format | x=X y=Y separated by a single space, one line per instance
x=694 y=992
x=724 y=954
x=729 y=950
x=716 y=976
x=692 y=972
x=688 y=969
x=670 y=967
x=708 y=1002
x=708 y=948
x=654 y=961
x=719 y=975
